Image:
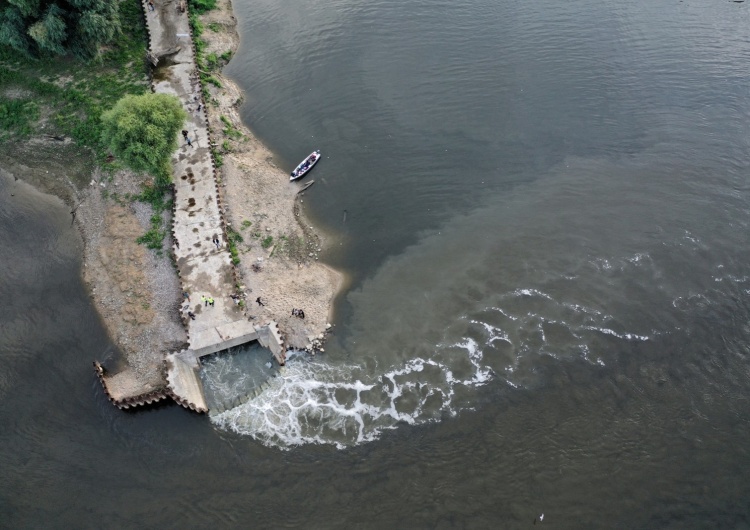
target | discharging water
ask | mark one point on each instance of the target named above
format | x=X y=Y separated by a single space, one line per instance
x=233 y=376
x=544 y=209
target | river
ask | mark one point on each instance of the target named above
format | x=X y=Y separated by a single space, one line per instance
x=543 y=208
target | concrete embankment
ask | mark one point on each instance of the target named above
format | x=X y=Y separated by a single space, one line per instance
x=199 y=230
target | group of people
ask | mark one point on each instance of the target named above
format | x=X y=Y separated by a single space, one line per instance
x=209 y=301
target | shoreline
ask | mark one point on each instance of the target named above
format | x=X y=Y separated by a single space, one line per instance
x=290 y=276
x=135 y=291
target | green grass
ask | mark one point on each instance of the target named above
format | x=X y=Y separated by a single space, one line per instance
x=266 y=242
x=17 y=117
x=233 y=239
x=72 y=94
x=153 y=239
x=245 y=224
x=201 y=6
x=154 y=195
x=218 y=159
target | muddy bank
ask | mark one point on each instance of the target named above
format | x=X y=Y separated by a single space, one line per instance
x=279 y=247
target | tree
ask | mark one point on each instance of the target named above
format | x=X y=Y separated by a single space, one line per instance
x=142 y=131
x=42 y=27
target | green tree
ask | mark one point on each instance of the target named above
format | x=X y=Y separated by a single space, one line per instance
x=41 y=27
x=142 y=131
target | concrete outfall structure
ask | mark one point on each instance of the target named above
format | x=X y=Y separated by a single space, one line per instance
x=204 y=268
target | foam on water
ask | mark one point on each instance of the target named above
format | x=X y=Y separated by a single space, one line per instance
x=491 y=297
x=321 y=402
x=317 y=402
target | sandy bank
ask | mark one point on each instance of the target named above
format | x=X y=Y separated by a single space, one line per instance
x=285 y=274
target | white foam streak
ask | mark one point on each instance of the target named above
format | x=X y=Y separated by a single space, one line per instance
x=313 y=402
x=624 y=336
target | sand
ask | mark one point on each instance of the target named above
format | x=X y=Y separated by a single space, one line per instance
x=287 y=274
x=137 y=292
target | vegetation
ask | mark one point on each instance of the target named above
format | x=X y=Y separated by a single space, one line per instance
x=266 y=242
x=218 y=159
x=245 y=224
x=66 y=96
x=40 y=28
x=154 y=195
x=234 y=238
x=201 y=6
x=229 y=130
x=205 y=63
x=142 y=130
x=18 y=115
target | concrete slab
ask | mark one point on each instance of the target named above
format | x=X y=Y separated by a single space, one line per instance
x=184 y=383
x=204 y=269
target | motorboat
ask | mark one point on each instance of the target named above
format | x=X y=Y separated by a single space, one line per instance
x=305 y=166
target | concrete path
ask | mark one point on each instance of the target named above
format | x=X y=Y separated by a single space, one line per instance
x=203 y=259
x=201 y=250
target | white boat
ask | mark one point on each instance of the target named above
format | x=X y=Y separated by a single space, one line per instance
x=305 y=166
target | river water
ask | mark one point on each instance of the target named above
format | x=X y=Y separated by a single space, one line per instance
x=543 y=208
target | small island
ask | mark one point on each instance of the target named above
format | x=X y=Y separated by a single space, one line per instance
x=207 y=251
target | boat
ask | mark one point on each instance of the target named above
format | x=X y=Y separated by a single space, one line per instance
x=305 y=166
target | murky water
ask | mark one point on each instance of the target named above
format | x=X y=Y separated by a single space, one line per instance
x=544 y=207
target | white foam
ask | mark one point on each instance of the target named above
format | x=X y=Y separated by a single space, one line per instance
x=624 y=336
x=318 y=403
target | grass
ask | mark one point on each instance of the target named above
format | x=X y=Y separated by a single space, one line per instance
x=218 y=159
x=233 y=239
x=245 y=224
x=201 y=6
x=17 y=117
x=266 y=242
x=69 y=94
x=155 y=196
x=230 y=130
x=64 y=96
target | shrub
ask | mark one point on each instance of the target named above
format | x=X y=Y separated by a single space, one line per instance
x=201 y=6
x=142 y=131
x=56 y=27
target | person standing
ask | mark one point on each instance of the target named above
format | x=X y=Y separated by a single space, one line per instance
x=211 y=301
x=204 y=300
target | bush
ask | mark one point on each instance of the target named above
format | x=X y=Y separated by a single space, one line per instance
x=201 y=6
x=142 y=131
x=57 y=27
